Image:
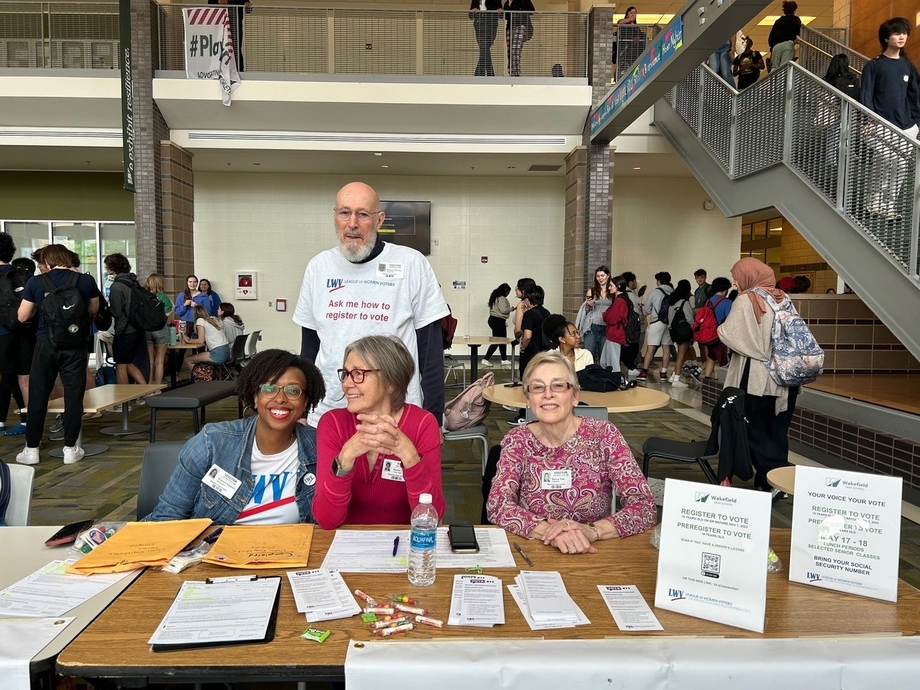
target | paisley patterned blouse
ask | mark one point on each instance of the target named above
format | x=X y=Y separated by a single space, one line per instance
x=600 y=462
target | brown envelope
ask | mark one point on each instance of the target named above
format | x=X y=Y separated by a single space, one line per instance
x=262 y=546
x=138 y=544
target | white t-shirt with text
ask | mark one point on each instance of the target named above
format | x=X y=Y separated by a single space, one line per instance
x=273 y=501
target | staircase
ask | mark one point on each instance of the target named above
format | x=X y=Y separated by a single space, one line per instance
x=842 y=175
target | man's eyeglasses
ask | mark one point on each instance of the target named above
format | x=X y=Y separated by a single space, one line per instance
x=555 y=387
x=291 y=391
x=344 y=214
x=357 y=375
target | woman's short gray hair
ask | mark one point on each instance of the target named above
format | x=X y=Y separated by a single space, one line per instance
x=551 y=357
x=389 y=354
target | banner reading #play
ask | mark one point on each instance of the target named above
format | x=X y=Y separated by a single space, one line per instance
x=209 y=48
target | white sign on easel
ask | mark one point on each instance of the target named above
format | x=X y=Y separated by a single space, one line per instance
x=712 y=561
x=846 y=532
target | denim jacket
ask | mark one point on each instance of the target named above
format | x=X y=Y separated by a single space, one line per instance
x=229 y=446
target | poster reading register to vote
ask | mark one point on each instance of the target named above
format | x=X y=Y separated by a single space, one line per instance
x=846 y=531
x=712 y=561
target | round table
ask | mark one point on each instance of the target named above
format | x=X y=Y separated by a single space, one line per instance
x=783 y=478
x=633 y=400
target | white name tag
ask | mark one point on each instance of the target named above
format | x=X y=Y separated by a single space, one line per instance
x=221 y=481
x=556 y=479
x=392 y=470
x=389 y=270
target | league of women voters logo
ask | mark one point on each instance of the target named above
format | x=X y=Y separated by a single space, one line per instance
x=209 y=50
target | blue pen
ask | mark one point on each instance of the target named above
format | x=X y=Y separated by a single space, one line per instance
x=212 y=537
x=395 y=546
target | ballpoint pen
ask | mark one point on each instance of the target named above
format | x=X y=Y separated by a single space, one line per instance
x=395 y=546
x=517 y=547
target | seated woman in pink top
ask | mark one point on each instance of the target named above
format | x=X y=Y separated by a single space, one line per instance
x=376 y=456
x=557 y=476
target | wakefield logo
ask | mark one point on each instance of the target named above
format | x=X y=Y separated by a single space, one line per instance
x=832 y=481
x=814 y=577
x=335 y=284
x=676 y=594
x=700 y=497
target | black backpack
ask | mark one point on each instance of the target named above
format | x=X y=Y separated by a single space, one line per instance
x=11 y=284
x=145 y=312
x=633 y=329
x=65 y=313
x=663 y=308
x=681 y=330
x=598 y=379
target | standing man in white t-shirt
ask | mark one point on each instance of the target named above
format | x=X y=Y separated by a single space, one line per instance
x=365 y=286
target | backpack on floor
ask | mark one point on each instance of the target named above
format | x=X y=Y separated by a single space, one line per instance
x=797 y=358
x=11 y=284
x=105 y=376
x=145 y=311
x=705 y=324
x=65 y=313
x=203 y=372
x=470 y=407
x=680 y=330
x=664 y=307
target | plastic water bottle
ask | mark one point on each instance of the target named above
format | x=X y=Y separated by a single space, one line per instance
x=422 y=542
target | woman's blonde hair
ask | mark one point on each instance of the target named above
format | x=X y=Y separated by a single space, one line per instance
x=551 y=357
x=155 y=283
x=202 y=313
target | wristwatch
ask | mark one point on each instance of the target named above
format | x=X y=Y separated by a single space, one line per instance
x=337 y=469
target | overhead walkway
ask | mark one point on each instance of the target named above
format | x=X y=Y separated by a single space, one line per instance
x=843 y=176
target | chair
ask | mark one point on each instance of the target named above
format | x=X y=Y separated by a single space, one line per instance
x=474 y=433
x=252 y=345
x=17 y=511
x=237 y=355
x=160 y=459
x=593 y=411
x=679 y=451
x=451 y=366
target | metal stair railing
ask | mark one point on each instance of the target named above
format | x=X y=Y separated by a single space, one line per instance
x=816 y=50
x=860 y=164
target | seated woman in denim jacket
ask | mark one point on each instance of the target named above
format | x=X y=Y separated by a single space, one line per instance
x=261 y=469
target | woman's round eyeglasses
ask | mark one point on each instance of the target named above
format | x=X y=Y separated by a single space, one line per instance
x=555 y=387
x=292 y=391
x=357 y=375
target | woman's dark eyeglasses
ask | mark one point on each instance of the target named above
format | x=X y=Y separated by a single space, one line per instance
x=555 y=387
x=292 y=391
x=357 y=375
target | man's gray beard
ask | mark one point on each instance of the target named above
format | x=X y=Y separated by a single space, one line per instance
x=356 y=256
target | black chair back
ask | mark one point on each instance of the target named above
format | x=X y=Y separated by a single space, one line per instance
x=160 y=459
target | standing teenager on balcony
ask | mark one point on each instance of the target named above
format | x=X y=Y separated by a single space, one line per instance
x=484 y=14
x=783 y=34
x=519 y=30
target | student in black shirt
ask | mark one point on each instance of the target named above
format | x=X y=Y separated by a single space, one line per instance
x=748 y=65
x=783 y=34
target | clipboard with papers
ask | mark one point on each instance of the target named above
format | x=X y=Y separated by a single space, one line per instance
x=220 y=611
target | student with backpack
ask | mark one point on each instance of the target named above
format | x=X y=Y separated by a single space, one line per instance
x=680 y=328
x=706 y=327
x=656 y=308
x=129 y=340
x=17 y=340
x=616 y=317
x=748 y=331
x=65 y=302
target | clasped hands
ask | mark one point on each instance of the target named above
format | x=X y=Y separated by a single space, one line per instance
x=378 y=435
x=569 y=536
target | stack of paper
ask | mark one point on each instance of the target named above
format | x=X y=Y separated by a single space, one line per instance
x=50 y=591
x=545 y=599
x=262 y=546
x=322 y=595
x=476 y=600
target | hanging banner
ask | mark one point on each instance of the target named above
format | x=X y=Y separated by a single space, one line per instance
x=712 y=561
x=209 y=48
x=846 y=531
x=126 y=64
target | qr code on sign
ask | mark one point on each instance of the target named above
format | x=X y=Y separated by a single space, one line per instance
x=711 y=564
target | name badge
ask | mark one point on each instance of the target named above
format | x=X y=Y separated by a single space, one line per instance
x=556 y=479
x=221 y=481
x=392 y=470
x=389 y=270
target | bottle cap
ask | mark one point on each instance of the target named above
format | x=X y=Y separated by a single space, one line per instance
x=424 y=498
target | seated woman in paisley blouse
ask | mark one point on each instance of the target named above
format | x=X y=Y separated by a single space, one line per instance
x=557 y=477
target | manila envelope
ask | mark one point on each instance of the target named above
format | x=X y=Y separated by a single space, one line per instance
x=262 y=546
x=138 y=544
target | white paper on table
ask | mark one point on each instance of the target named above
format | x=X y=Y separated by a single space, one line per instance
x=629 y=608
x=494 y=550
x=368 y=551
x=846 y=532
x=219 y=612
x=346 y=608
x=546 y=596
x=518 y=597
x=476 y=600
x=50 y=592
x=20 y=640
x=313 y=590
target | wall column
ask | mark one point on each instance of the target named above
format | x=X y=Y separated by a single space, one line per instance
x=575 y=240
x=178 y=213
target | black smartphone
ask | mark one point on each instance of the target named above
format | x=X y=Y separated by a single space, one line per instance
x=462 y=539
x=68 y=533
x=514 y=385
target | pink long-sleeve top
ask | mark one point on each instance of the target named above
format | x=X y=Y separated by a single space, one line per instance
x=601 y=464
x=364 y=496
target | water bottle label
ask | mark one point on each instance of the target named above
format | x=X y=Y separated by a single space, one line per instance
x=423 y=540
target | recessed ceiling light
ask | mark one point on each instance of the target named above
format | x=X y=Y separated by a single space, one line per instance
x=637 y=168
x=377 y=154
x=510 y=167
x=769 y=20
x=384 y=166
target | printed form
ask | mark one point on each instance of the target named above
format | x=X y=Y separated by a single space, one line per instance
x=322 y=595
x=476 y=600
x=628 y=607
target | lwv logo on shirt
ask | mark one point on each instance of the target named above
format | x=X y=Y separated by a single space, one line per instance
x=335 y=284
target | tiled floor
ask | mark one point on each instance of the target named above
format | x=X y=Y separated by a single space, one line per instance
x=104 y=487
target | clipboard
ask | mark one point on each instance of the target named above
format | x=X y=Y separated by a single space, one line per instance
x=203 y=636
